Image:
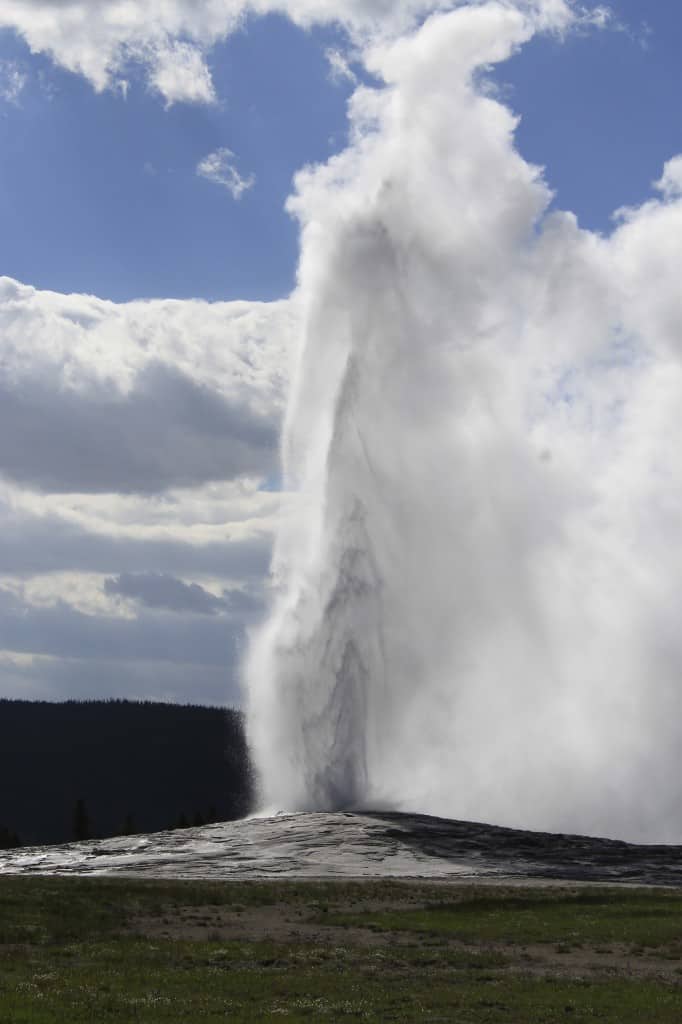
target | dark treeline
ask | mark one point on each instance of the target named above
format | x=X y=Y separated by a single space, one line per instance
x=102 y=768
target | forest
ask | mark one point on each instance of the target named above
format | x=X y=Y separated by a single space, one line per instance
x=94 y=769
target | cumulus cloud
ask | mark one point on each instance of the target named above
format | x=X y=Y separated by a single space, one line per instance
x=166 y=431
x=62 y=631
x=179 y=73
x=92 y=589
x=339 y=67
x=160 y=590
x=70 y=628
x=133 y=439
x=142 y=397
x=31 y=544
x=670 y=182
x=219 y=167
x=203 y=515
x=98 y=39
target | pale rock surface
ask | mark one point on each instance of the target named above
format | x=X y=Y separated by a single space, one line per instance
x=362 y=845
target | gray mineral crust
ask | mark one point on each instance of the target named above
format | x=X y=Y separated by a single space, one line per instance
x=350 y=845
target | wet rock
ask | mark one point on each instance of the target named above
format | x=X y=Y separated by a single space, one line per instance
x=363 y=845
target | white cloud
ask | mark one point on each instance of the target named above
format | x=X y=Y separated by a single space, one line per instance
x=670 y=182
x=60 y=630
x=57 y=611
x=58 y=652
x=179 y=73
x=339 y=67
x=600 y=16
x=140 y=396
x=82 y=591
x=195 y=518
x=168 y=593
x=219 y=167
x=35 y=545
x=132 y=444
x=12 y=81
x=171 y=41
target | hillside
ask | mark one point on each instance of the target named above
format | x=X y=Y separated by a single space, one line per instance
x=137 y=767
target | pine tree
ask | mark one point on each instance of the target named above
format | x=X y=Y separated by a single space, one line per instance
x=8 y=840
x=81 y=821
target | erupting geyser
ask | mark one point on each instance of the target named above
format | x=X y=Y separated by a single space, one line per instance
x=477 y=583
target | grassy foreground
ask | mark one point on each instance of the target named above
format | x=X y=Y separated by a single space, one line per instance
x=89 y=950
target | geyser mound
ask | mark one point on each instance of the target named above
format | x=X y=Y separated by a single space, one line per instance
x=363 y=846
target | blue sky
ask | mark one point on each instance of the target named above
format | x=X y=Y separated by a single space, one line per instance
x=100 y=193
x=601 y=111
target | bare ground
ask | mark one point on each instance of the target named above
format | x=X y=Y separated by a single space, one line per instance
x=287 y=924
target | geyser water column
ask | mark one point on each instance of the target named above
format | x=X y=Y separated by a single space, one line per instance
x=470 y=587
x=406 y=240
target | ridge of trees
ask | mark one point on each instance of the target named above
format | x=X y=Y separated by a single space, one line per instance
x=94 y=769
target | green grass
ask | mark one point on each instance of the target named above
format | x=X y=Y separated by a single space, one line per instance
x=643 y=918
x=71 y=952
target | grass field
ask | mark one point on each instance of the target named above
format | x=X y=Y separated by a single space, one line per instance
x=92 y=950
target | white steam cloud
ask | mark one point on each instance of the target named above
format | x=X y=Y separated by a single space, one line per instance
x=477 y=595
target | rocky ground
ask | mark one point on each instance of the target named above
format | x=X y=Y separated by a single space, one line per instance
x=363 y=845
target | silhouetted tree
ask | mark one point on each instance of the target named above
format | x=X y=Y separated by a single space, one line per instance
x=177 y=759
x=8 y=840
x=129 y=825
x=81 y=821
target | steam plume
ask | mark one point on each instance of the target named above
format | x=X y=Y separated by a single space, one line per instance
x=476 y=596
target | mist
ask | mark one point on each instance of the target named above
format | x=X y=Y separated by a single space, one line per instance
x=476 y=592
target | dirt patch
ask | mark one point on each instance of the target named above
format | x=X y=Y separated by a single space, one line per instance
x=280 y=923
x=290 y=924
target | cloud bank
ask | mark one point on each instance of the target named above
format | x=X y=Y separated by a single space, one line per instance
x=139 y=397
x=160 y=590
x=134 y=440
